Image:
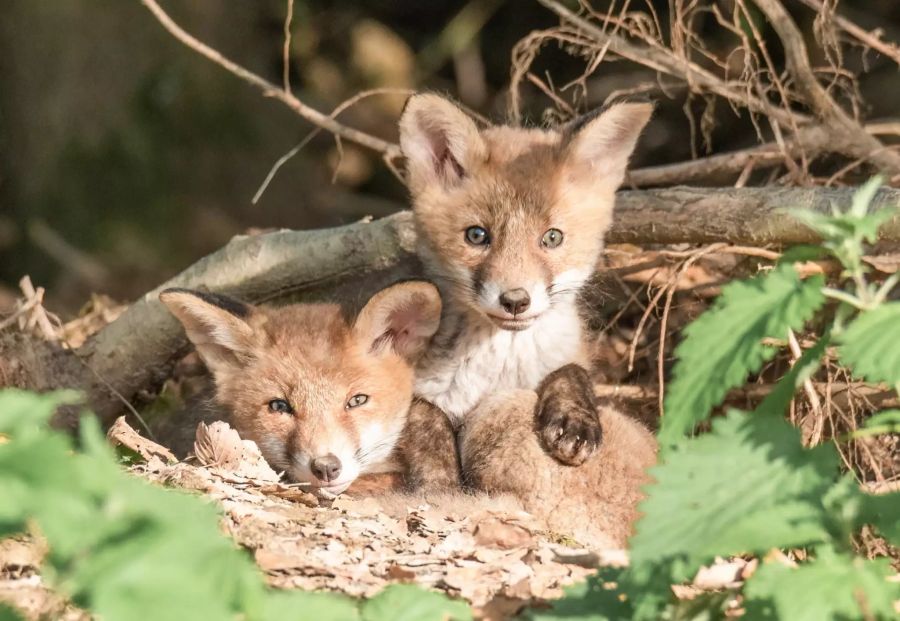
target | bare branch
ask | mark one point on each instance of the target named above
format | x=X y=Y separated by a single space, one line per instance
x=674 y=66
x=857 y=142
x=870 y=39
x=389 y=150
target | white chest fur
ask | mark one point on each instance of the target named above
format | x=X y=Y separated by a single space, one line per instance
x=481 y=359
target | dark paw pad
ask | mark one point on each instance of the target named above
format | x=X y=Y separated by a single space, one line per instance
x=566 y=416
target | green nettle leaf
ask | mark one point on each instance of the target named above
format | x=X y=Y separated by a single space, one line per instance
x=405 y=602
x=883 y=512
x=871 y=344
x=725 y=344
x=747 y=486
x=290 y=605
x=833 y=586
x=844 y=232
x=20 y=409
x=8 y=614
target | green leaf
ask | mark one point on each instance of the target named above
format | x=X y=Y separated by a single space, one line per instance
x=871 y=344
x=290 y=605
x=405 y=602
x=8 y=614
x=802 y=253
x=747 y=486
x=599 y=598
x=844 y=232
x=863 y=196
x=20 y=409
x=833 y=586
x=880 y=424
x=725 y=343
x=883 y=512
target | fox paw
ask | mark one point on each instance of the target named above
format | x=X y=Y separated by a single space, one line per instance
x=566 y=415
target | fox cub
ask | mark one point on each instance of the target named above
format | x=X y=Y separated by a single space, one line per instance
x=328 y=398
x=510 y=225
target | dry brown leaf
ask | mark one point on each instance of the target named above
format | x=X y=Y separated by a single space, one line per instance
x=122 y=434
x=217 y=444
x=494 y=531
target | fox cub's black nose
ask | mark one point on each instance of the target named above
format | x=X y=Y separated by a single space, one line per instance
x=326 y=468
x=515 y=301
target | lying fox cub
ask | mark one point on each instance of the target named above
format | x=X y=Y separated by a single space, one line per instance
x=510 y=226
x=327 y=400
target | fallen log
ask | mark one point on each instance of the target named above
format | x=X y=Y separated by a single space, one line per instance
x=134 y=354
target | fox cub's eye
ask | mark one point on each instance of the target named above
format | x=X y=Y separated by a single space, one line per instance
x=477 y=236
x=280 y=406
x=356 y=401
x=552 y=238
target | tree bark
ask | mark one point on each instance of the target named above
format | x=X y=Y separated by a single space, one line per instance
x=746 y=216
x=134 y=354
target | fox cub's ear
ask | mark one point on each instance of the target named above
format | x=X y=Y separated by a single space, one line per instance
x=215 y=324
x=599 y=144
x=402 y=317
x=440 y=142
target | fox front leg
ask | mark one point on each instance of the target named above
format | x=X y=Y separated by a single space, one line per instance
x=566 y=415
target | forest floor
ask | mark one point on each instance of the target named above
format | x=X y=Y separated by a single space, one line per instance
x=498 y=560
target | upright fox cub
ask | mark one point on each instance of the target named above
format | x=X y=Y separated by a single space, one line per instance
x=510 y=225
x=327 y=399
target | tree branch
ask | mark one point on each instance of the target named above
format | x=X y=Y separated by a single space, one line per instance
x=134 y=353
x=869 y=39
x=845 y=129
x=674 y=66
x=387 y=149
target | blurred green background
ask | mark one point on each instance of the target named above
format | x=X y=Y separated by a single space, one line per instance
x=124 y=156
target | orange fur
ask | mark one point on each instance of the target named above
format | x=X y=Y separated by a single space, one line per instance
x=311 y=357
x=316 y=359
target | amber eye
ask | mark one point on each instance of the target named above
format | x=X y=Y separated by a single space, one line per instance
x=477 y=236
x=280 y=406
x=552 y=238
x=356 y=401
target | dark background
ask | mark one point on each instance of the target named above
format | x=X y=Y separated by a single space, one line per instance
x=124 y=156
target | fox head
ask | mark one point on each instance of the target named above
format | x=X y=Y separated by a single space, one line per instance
x=324 y=398
x=511 y=221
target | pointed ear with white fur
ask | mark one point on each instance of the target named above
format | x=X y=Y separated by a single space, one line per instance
x=600 y=143
x=402 y=318
x=216 y=325
x=441 y=143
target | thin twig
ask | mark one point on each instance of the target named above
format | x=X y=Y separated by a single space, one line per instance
x=669 y=64
x=268 y=89
x=869 y=39
x=286 y=60
x=844 y=129
x=315 y=132
x=811 y=394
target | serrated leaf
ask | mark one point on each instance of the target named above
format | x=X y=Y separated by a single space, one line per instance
x=725 y=344
x=746 y=486
x=406 y=602
x=879 y=424
x=20 y=408
x=883 y=512
x=8 y=614
x=871 y=344
x=802 y=253
x=290 y=605
x=833 y=586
